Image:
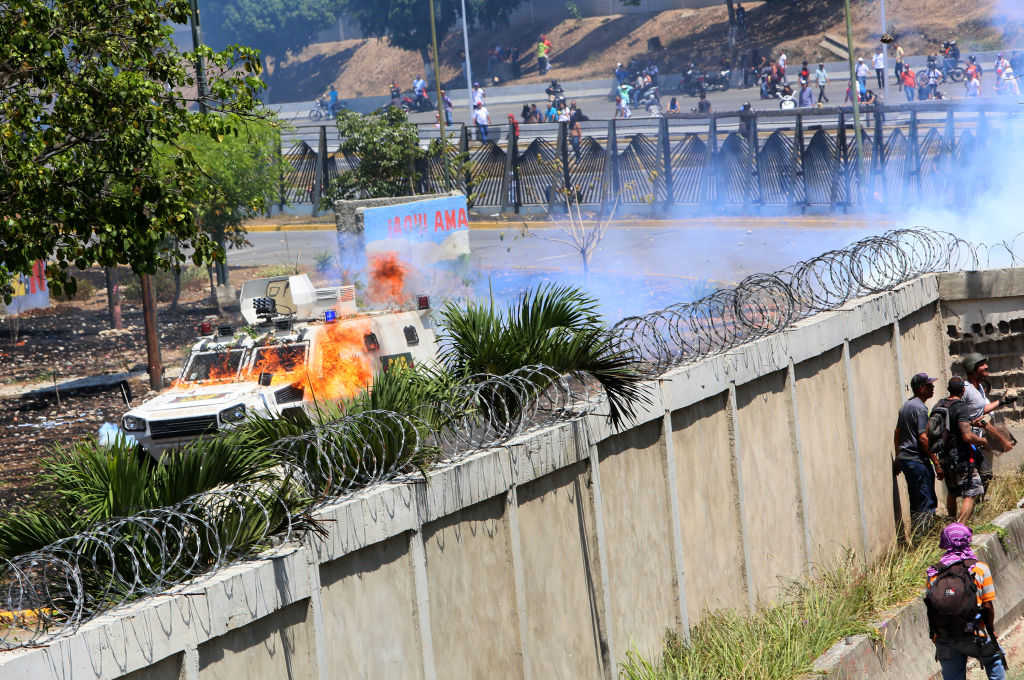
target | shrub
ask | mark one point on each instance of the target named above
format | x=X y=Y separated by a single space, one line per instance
x=84 y=289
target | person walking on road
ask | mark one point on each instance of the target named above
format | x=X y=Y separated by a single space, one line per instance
x=960 y=601
x=878 y=61
x=481 y=118
x=862 y=74
x=898 y=70
x=449 y=108
x=543 y=47
x=909 y=83
x=821 y=77
x=910 y=440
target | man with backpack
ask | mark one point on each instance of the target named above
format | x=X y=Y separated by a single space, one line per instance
x=910 y=439
x=961 y=608
x=956 y=439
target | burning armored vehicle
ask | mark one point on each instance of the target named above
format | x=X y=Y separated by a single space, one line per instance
x=301 y=344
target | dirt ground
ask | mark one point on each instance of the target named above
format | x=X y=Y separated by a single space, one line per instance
x=590 y=47
x=72 y=340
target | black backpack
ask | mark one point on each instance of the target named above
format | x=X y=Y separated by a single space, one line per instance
x=952 y=599
x=940 y=439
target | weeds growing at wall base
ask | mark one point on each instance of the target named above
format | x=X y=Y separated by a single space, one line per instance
x=782 y=641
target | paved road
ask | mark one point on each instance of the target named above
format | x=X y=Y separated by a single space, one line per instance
x=592 y=96
x=635 y=269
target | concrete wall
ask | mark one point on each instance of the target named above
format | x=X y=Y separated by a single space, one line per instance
x=556 y=555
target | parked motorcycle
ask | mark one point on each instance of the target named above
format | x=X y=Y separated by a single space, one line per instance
x=416 y=103
x=649 y=99
x=717 y=80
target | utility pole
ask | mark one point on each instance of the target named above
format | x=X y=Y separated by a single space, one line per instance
x=440 y=100
x=156 y=370
x=200 y=69
x=855 y=92
x=465 y=49
x=882 y=2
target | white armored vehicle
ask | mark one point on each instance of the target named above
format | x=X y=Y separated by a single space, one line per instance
x=301 y=344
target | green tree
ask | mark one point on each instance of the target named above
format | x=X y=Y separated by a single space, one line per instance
x=406 y=23
x=387 y=146
x=93 y=101
x=275 y=27
x=239 y=177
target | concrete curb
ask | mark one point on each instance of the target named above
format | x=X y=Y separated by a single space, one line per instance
x=902 y=648
x=516 y=223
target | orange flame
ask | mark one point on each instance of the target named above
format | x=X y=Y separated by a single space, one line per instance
x=387 y=278
x=341 y=367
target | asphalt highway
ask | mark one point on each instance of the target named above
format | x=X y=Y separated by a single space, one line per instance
x=639 y=266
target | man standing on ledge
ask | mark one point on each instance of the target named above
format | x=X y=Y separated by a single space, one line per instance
x=978 y=405
x=961 y=608
x=910 y=439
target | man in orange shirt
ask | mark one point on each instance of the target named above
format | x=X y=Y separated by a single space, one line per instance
x=960 y=631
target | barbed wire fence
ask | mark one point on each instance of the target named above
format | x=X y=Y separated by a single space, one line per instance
x=51 y=592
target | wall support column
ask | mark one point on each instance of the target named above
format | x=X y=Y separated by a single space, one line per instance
x=418 y=552
x=737 y=479
x=518 y=575
x=678 y=557
x=608 y=649
x=316 y=606
x=801 y=470
x=189 y=664
x=851 y=411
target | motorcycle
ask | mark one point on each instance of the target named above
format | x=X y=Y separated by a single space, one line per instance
x=692 y=82
x=555 y=92
x=649 y=99
x=717 y=80
x=416 y=103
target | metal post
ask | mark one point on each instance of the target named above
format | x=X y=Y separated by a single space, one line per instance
x=666 y=160
x=878 y=157
x=842 y=154
x=856 y=97
x=464 y=149
x=712 y=159
x=517 y=191
x=280 y=179
x=563 y=153
x=798 y=163
x=320 y=171
x=950 y=140
x=756 y=174
x=613 y=160
x=915 y=154
x=507 y=178
x=156 y=371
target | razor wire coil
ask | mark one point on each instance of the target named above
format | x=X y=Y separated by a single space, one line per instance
x=50 y=592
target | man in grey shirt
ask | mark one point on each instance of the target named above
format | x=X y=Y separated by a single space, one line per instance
x=910 y=439
x=977 y=402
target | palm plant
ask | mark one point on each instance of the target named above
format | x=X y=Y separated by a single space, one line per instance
x=557 y=326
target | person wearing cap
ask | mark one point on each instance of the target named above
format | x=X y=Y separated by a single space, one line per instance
x=965 y=480
x=910 y=439
x=478 y=95
x=862 y=73
x=975 y=365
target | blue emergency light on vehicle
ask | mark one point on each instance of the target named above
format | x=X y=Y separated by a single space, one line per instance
x=330 y=315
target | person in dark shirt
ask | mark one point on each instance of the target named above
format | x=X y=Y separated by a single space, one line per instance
x=964 y=480
x=910 y=440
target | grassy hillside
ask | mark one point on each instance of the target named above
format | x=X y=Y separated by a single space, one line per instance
x=590 y=47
